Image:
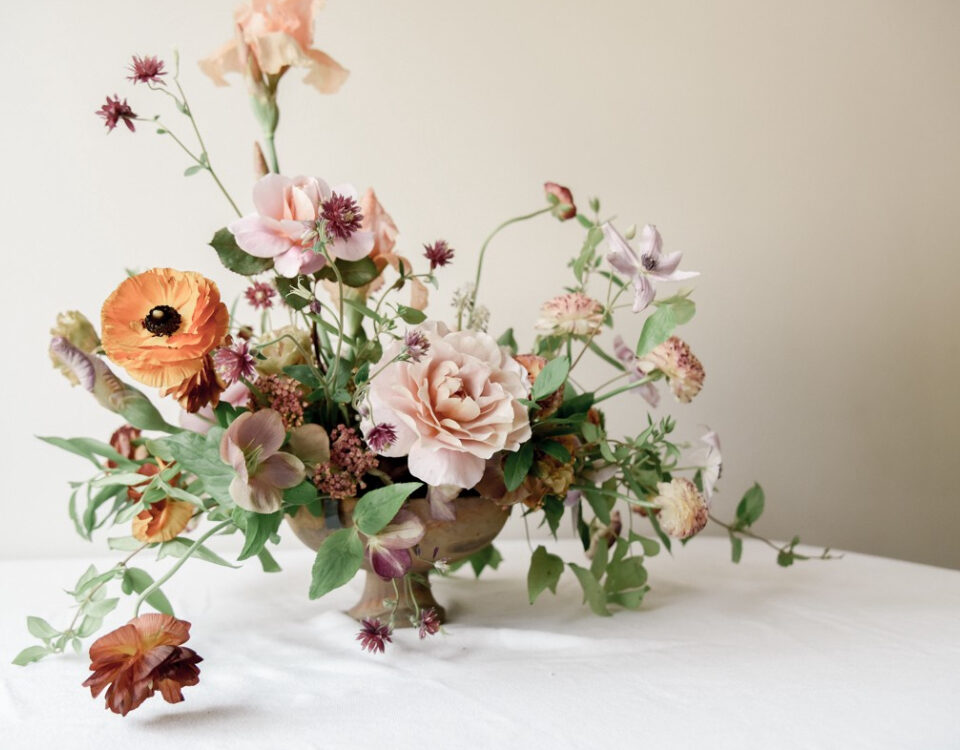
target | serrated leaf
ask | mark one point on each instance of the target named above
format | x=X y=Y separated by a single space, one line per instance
x=338 y=560
x=545 y=571
x=488 y=557
x=378 y=507
x=234 y=258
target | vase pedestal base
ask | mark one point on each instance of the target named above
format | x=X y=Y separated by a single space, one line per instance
x=377 y=602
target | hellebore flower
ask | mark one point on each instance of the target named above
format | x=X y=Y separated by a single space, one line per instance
x=389 y=549
x=251 y=445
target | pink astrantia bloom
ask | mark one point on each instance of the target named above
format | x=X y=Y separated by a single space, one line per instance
x=147 y=70
x=235 y=362
x=289 y=220
x=453 y=409
x=115 y=112
x=389 y=549
x=374 y=635
x=417 y=345
x=251 y=445
x=630 y=360
x=647 y=266
x=439 y=254
x=429 y=622
x=381 y=436
x=260 y=295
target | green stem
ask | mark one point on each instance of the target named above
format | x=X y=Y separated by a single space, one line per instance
x=179 y=564
x=624 y=389
x=272 y=152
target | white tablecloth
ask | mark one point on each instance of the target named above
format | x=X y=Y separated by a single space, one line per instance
x=857 y=653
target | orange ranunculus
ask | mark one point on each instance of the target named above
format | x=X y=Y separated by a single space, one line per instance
x=160 y=325
x=162 y=521
x=200 y=389
x=141 y=657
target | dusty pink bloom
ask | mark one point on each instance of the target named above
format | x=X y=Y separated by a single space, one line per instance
x=285 y=396
x=235 y=362
x=115 y=111
x=683 y=511
x=625 y=354
x=439 y=254
x=374 y=635
x=429 y=622
x=683 y=370
x=146 y=70
x=389 y=549
x=251 y=445
x=260 y=295
x=453 y=409
x=417 y=345
x=381 y=436
x=571 y=314
x=236 y=395
x=272 y=36
x=288 y=223
x=713 y=463
x=564 y=208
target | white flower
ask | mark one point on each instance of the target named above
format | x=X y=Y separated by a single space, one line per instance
x=683 y=511
x=575 y=314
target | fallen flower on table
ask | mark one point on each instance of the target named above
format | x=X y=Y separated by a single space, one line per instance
x=374 y=635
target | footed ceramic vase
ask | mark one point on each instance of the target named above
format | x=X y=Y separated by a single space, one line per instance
x=478 y=522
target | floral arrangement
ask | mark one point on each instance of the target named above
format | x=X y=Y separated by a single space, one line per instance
x=361 y=418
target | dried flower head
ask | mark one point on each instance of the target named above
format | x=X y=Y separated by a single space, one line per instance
x=683 y=511
x=572 y=314
x=381 y=437
x=285 y=396
x=141 y=657
x=260 y=295
x=683 y=370
x=146 y=70
x=114 y=111
x=417 y=344
x=439 y=254
x=374 y=635
x=429 y=622
x=235 y=362
x=335 y=482
x=349 y=453
x=341 y=215
x=199 y=390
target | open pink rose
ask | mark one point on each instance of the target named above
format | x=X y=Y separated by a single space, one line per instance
x=454 y=408
x=284 y=226
x=276 y=35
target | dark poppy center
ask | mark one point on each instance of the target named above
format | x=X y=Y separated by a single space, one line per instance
x=162 y=320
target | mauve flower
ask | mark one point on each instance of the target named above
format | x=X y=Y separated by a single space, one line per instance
x=453 y=409
x=271 y=37
x=682 y=368
x=251 y=445
x=626 y=355
x=260 y=295
x=115 y=111
x=381 y=436
x=564 y=208
x=683 y=511
x=146 y=70
x=571 y=314
x=439 y=254
x=92 y=373
x=429 y=622
x=284 y=226
x=235 y=362
x=236 y=395
x=141 y=657
x=417 y=345
x=713 y=463
x=374 y=635
x=389 y=549
x=648 y=264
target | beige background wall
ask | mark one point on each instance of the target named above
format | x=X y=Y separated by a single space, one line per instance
x=804 y=156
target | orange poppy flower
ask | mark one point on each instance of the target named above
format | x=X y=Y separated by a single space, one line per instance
x=161 y=324
x=141 y=657
x=162 y=521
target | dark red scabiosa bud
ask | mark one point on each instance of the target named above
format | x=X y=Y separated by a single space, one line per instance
x=439 y=254
x=561 y=199
x=115 y=111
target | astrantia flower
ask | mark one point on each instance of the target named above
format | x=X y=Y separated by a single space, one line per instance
x=141 y=657
x=160 y=325
x=251 y=445
x=146 y=70
x=683 y=511
x=417 y=345
x=115 y=111
x=342 y=215
x=374 y=635
x=429 y=622
x=562 y=199
x=235 y=362
x=289 y=223
x=381 y=436
x=439 y=254
x=648 y=265
x=454 y=409
x=162 y=521
x=634 y=367
x=675 y=360
x=575 y=314
x=260 y=295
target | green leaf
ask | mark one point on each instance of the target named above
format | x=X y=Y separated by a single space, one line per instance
x=303 y=374
x=338 y=560
x=517 y=465
x=657 y=328
x=233 y=258
x=179 y=546
x=555 y=450
x=89 y=449
x=200 y=455
x=287 y=289
x=650 y=547
x=593 y=595
x=123 y=543
x=411 y=314
x=30 y=654
x=544 y=573
x=41 y=628
x=89 y=625
x=192 y=170
x=507 y=339
x=136 y=579
x=303 y=494
x=785 y=558
x=576 y=405
x=598 y=565
x=488 y=557
x=378 y=507
x=625 y=574
x=257 y=530
x=600 y=503
x=631 y=599
x=355 y=273
x=267 y=561
x=553 y=509
x=550 y=378
x=736 y=547
x=750 y=507
x=101 y=608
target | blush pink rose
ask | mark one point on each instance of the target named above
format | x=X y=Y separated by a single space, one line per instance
x=287 y=209
x=454 y=408
x=276 y=35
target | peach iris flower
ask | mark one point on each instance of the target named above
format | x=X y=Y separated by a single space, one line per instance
x=274 y=35
x=161 y=324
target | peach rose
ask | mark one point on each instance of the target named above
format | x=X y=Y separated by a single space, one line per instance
x=454 y=408
x=271 y=36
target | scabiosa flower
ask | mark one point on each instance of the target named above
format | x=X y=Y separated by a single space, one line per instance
x=417 y=344
x=260 y=295
x=683 y=511
x=429 y=622
x=439 y=254
x=573 y=314
x=115 y=111
x=561 y=199
x=235 y=362
x=381 y=437
x=683 y=370
x=146 y=70
x=374 y=635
